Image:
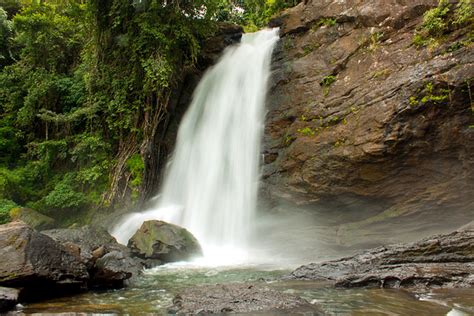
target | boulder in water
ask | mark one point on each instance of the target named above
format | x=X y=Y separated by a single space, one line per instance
x=113 y=268
x=164 y=241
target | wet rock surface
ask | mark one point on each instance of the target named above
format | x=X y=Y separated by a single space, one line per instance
x=361 y=118
x=92 y=241
x=438 y=261
x=113 y=268
x=61 y=262
x=32 y=218
x=237 y=298
x=32 y=260
x=8 y=298
x=165 y=242
x=109 y=263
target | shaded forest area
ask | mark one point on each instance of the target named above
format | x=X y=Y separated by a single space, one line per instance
x=83 y=86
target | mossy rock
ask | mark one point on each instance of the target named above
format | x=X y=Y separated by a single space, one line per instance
x=33 y=218
x=164 y=241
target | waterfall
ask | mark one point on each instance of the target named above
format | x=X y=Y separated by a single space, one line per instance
x=211 y=182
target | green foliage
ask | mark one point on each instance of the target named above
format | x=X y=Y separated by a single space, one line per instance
x=320 y=124
x=430 y=94
x=5 y=207
x=50 y=36
x=327 y=22
x=464 y=12
x=434 y=20
x=306 y=131
x=64 y=196
x=6 y=31
x=374 y=41
x=328 y=80
x=435 y=96
x=413 y=101
x=439 y=20
x=257 y=13
x=83 y=84
x=310 y=48
x=340 y=142
x=455 y=46
x=288 y=139
x=136 y=167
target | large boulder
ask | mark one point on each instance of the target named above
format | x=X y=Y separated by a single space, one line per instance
x=113 y=268
x=8 y=298
x=109 y=263
x=438 y=261
x=30 y=259
x=239 y=298
x=164 y=241
x=31 y=217
x=87 y=238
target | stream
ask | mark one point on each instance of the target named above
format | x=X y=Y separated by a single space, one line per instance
x=154 y=292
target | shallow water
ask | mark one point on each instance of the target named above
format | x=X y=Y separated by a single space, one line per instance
x=154 y=293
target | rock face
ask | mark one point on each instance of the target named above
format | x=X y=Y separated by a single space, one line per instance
x=164 y=241
x=31 y=217
x=360 y=117
x=8 y=298
x=439 y=261
x=30 y=259
x=238 y=298
x=113 y=268
x=108 y=262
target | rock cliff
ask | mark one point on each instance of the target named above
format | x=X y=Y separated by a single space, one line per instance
x=360 y=117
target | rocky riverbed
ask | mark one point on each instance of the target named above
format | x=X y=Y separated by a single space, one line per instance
x=40 y=265
x=420 y=274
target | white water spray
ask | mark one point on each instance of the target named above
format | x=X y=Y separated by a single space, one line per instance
x=211 y=184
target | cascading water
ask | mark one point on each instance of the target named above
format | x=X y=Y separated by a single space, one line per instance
x=212 y=180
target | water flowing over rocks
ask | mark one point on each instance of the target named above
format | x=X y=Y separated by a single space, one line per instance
x=438 y=261
x=238 y=298
x=164 y=241
x=361 y=118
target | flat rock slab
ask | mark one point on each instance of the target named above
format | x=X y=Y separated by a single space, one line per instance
x=438 y=261
x=238 y=298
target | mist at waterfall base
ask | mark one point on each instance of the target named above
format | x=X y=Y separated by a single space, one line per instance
x=211 y=183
